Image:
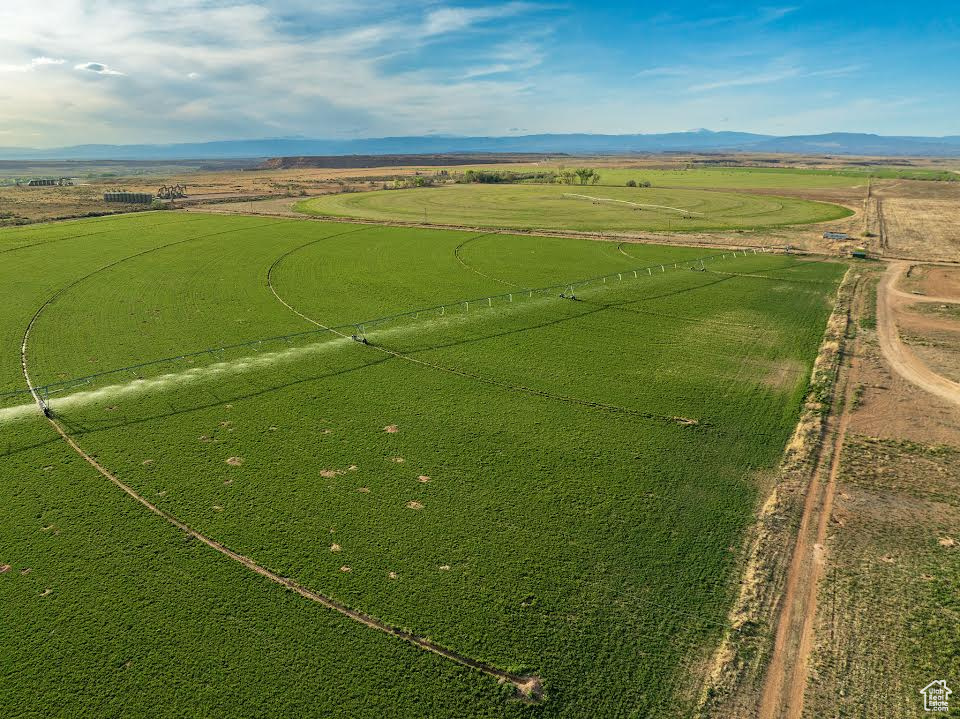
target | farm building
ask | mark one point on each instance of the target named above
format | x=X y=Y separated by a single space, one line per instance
x=41 y=183
x=836 y=236
x=133 y=198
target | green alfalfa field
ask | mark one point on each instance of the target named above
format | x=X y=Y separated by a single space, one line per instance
x=587 y=208
x=555 y=488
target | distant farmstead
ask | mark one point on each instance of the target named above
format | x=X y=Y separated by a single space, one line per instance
x=130 y=198
x=836 y=236
x=42 y=183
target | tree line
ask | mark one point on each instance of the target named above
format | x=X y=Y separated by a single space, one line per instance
x=561 y=176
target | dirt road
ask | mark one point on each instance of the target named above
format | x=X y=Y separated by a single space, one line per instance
x=786 y=678
x=901 y=360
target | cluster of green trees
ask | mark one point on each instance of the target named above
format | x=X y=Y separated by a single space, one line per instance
x=403 y=183
x=493 y=177
x=563 y=176
x=578 y=176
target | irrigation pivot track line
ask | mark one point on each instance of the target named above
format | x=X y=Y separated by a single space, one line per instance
x=456 y=253
x=47 y=390
x=487 y=380
x=529 y=686
x=399 y=355
x=635 y=204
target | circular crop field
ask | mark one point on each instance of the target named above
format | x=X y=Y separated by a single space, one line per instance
x=565 y=207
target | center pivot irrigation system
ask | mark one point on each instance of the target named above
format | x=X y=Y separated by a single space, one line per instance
x=358 y=330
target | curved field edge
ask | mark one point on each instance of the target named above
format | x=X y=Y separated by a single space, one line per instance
x=362 y=465
x=527 y=685
x=108 y=611
x=598 y=210
x=357 y=348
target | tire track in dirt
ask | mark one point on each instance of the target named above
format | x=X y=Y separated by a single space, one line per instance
x=785 y=681
x=901 y=360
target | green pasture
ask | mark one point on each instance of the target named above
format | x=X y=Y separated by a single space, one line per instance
x=747 y=178
x=566 y=207
x=731 y=178
x=591 y=465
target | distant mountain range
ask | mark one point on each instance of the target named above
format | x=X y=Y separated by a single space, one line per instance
x=834 y=143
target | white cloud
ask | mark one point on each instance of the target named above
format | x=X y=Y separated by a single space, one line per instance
x=454 y=19
x=206 y=69
x=678 y=71
x=97 y=67
x=487 y=70
x=844 y=71
x=213 y=69
x=772 y=14
x=761 y=78
x=771 y=76
x=32 y=65
x=40 y=61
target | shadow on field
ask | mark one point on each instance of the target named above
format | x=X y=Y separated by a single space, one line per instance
x=13 y=449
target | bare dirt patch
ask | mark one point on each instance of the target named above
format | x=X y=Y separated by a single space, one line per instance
x=890 y=407
x=363 y=490
x=335 y=547
x=940 y=354
x=884 y=625
x=4 y=568
x=923 y=228
x=391 y=429
x=423 y=478
x=947 y=542
x=235 y=461
x=890 y=303
x=331 y=473
x=397 y=460
x=414 y=505
x=784 y=374
x=942 y=282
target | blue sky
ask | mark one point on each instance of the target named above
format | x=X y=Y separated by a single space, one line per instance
x=127 y=71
